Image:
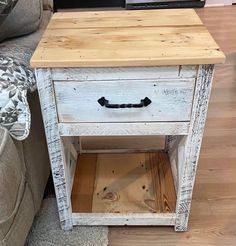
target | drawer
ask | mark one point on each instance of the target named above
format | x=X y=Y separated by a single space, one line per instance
x=169 y=101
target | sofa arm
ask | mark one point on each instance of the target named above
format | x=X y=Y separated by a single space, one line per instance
x=36 y=153
x=12 y=182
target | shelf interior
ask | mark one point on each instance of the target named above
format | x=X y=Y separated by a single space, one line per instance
x=123 y=183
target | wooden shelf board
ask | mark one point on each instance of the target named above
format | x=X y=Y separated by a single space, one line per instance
x=123 y=184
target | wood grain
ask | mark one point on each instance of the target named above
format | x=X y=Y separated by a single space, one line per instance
x=163 y=184
x=221 y=24
x=83 y=186
x=105 y=19
x=123 y=183
x=125 y=143
x=159 y=39
x=213 y=217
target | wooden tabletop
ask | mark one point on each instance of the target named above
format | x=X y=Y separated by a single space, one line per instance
x=126 y=38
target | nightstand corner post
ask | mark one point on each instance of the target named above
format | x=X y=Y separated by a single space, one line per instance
x=192 y=144
x=55 y=145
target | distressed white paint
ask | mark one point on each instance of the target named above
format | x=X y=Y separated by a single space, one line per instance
x=70 y=163
x=123 y=219
x=183 y=151
x=171 y=100
x=123 y=129
x=171 y=147
x=133 y=73
x=55 y=146
x=192 y=145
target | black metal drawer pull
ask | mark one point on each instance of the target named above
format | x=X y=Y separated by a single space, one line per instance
x=143 y=103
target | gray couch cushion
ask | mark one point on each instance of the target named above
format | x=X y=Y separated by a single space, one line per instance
x=23 y=19
x=20 y=48
x=17 y=206
x=22 y=221
x=6 y=7
x=12 y=181
x=23 y=47
x=36 y=153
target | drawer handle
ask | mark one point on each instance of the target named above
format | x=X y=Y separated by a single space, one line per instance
x=143 y=103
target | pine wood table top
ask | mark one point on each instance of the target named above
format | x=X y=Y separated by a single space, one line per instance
x=126 y=38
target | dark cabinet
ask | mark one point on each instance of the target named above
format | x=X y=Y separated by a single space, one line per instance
x=88 y=3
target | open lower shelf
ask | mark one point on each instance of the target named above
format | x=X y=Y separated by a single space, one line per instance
x=123 y=187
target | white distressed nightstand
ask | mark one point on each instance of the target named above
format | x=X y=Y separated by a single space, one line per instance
x=125 y=73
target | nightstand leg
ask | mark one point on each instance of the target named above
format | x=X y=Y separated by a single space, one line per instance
x=190 y=145
x=55 y=146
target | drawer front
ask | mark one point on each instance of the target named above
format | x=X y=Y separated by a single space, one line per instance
x=170 y=101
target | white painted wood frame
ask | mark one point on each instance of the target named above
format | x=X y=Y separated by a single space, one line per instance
x=190 y=146
x=55 y=146
x=123 y=129
x=183 y=144
x=158 y=219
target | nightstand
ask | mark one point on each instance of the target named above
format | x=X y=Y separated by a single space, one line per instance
x=125 y=73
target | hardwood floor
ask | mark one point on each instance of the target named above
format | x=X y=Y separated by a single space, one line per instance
x=213 y=214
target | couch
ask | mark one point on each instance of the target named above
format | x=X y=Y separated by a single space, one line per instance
x=24 y=165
